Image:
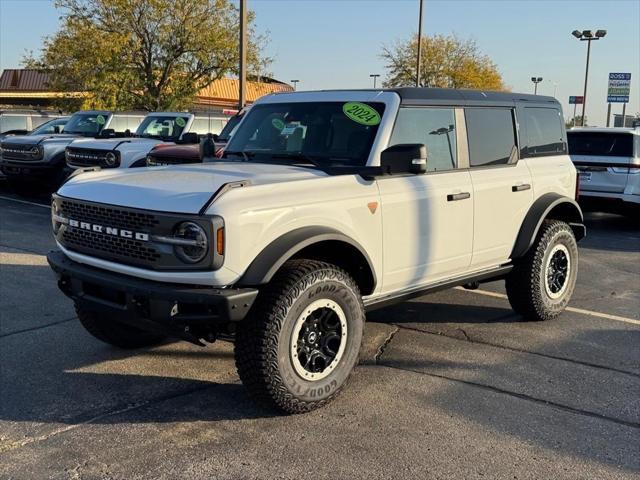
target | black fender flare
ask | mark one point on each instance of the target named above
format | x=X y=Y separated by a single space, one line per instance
x=273 y=256
x=560 y=207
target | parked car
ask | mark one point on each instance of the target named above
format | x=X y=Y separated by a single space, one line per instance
x=41 y=157
x=608 y=160
x=156 y=128
x=326 y=204
x=167 y=154
x=21 y=122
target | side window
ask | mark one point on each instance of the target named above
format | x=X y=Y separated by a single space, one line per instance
x=118 y=123
x=13 y=122
x=491 y=136
x=434 y=127
x=544 y=131
x=200 y=126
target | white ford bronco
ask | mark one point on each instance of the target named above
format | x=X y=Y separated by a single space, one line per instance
x=156 y=128
x=326 y=204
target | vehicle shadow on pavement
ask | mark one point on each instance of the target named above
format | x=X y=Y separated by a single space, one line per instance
x=601 y=226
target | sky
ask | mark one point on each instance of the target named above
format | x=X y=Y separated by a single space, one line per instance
x=337 y=43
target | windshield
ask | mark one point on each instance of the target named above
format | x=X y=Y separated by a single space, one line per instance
x=229 y=128
x=49 y=127
x=338 y=133
x=168 y=127
x=86 y=123
x=600 y=144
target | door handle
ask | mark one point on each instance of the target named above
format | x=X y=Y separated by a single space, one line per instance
x=452 y=197
x=521 y=187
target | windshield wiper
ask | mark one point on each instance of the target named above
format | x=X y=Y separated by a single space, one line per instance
x=303 y=157
x=245 y=154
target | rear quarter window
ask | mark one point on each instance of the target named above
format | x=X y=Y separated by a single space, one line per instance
x=544 y=131
x=601 y=144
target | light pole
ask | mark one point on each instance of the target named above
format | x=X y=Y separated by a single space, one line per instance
x=243 y=55
x=295 y=84
x=374 y=76
x=419 y=45
x=536 y=81
x=587 y=36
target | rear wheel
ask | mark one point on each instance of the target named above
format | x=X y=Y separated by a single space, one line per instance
x=301 y=340
x=542 y=282
x=109 y=330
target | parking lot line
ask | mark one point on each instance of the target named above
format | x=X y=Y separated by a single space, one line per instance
x=606 y=316
x=2 y=197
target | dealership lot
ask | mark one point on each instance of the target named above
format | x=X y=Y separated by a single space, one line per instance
x=452 y=385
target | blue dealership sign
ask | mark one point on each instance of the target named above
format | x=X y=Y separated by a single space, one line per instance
x=619 y=88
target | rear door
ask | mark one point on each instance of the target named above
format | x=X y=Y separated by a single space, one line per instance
x=602 y=158
x=501 y=184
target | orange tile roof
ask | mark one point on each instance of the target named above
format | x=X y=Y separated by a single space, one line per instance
x=222 y=92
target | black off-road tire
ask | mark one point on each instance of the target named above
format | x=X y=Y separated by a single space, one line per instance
x=115 y=333
x=525 y=285
x=264 y=340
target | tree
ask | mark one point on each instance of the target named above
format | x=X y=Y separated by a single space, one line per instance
x=446 y=62
x=145 y=54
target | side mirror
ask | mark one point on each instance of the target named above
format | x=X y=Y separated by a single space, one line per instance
x=57 y=129
x=404 y=158
x=107 y=132
x=215 y=137
x=207 y=147
x=190 y=137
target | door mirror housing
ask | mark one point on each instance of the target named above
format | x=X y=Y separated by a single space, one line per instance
x=57 y=129
x=190 y=137
x=404 y=158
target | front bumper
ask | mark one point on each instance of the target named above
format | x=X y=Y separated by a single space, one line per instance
x=28 y=169
x=174 y=309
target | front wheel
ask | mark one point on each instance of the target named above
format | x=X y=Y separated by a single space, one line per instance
x=301 y=340
x=542 y=282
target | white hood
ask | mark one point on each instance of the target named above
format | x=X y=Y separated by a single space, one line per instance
x=177 y=189
x=131 y=149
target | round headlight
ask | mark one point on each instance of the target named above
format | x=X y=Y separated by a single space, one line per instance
x=196 y=247
x=35 y=151
x=110 y=159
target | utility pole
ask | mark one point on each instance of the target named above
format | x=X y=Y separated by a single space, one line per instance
x=419 y=44
x=243 y=55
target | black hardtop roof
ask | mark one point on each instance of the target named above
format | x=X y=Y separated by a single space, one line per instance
x=466 y=95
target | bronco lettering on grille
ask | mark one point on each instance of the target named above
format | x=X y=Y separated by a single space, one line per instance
x=117 y=232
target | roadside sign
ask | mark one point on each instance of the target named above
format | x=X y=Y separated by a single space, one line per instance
x=619 y=88
x=575 y=100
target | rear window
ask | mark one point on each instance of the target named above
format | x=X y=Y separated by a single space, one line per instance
x=491 y=136
x=600 y=144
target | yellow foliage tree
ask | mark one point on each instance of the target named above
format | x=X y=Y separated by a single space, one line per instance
x=446 y=62
x=144 y=54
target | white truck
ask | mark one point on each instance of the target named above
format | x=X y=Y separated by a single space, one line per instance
x=326 y=204
x=155 y=129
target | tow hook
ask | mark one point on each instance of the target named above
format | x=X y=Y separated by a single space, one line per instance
x=471 y=285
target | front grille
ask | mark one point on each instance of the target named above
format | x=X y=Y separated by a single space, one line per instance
x=117 y=246
x=84 y=157
x=126 y=235
x=113 y=217
x=19 y=152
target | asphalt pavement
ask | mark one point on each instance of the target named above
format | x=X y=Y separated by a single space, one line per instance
x=451 y=385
